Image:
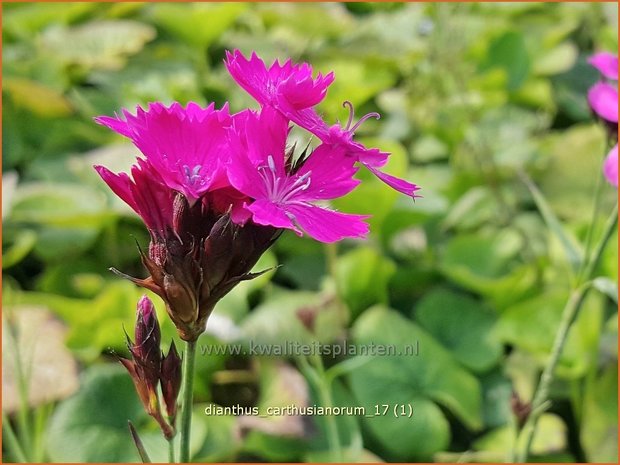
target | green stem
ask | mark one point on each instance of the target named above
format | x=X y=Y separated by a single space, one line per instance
x=326 y=399
x=171 y=450
x=187 y=396
x=12 y=443
x=610 y=226
x=571 y=309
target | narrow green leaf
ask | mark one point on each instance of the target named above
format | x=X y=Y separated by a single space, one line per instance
x=573 y=254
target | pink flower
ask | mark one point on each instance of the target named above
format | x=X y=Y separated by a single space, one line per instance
x=184 y=145
x=284 y=193
x=606 y=63
x=610 y=168
x=341 y=138
x=147 y=194
x=289 y=83
x=291 y=90
x=603 y=99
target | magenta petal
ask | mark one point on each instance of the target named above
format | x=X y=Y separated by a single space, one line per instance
x=603 y=99
x=395 y=183
x=251 y=75
x=327 y=225
x=269 y=214
x=610 y=168
x=606 y=63
x=331 y=172
x=120 y=185
x=115 y=124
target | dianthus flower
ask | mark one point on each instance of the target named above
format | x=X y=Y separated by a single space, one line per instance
x=216 y=190
x=603 y=99
x=291 y=90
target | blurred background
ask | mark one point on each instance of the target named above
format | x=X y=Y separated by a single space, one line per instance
x=474 y=98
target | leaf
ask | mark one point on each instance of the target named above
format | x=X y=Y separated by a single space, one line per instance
x=198 y=24
x=574 y=159
x=607 y=287
x=557 y=60
x=463 y=325
x=573 y=254
x=19 y=249
x=280 y=386
x=509 y=53
x=550 y=437
x=532 y=324
x=472 y=209
x=486 y=263
x=92 y=425
x=51 y=369
x=424 y=380
x=274 y=325
x=362 y=277
x=599 y=427
x=98 y=44
x=37 y=98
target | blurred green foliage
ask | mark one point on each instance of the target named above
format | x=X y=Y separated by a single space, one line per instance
x=471 y=96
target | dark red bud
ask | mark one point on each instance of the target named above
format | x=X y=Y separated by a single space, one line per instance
x=146 y=350
x=171 y=381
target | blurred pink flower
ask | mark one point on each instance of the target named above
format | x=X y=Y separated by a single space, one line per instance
x=603 y=99
x=606 y=63
x=610 y=168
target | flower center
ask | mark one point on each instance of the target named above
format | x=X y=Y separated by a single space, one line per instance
x=351 y=129
x=281 y=189
x=192 y=176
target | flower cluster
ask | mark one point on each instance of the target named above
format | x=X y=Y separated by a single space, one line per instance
x=216 y=189
x=603 y=99
x=149 y=368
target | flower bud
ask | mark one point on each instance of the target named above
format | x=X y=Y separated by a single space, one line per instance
x=145 y=368
x=171 y=381
x=146 y=349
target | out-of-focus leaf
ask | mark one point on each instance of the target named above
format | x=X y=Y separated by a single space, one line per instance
x=488 y=265
x=531 y=325
x=222 y=439
x=98 y=44
x=573 y=253
x=462 y=325
x=51 y=369
x=92 y=425
x=362 y=277
x=606 y=286
x=420 y=380
x=509 y=53
x=198 y=24
x=19 y=249
x=599 y=425
x=280 y=386
x=557 y=60
x=574 y=158
x=32 y=18
x=550 y=437
x=274 y=325
x=37 y=98
x=475 y=207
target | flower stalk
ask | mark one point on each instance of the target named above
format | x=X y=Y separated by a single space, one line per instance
x=541 y=402
x=187 y=394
